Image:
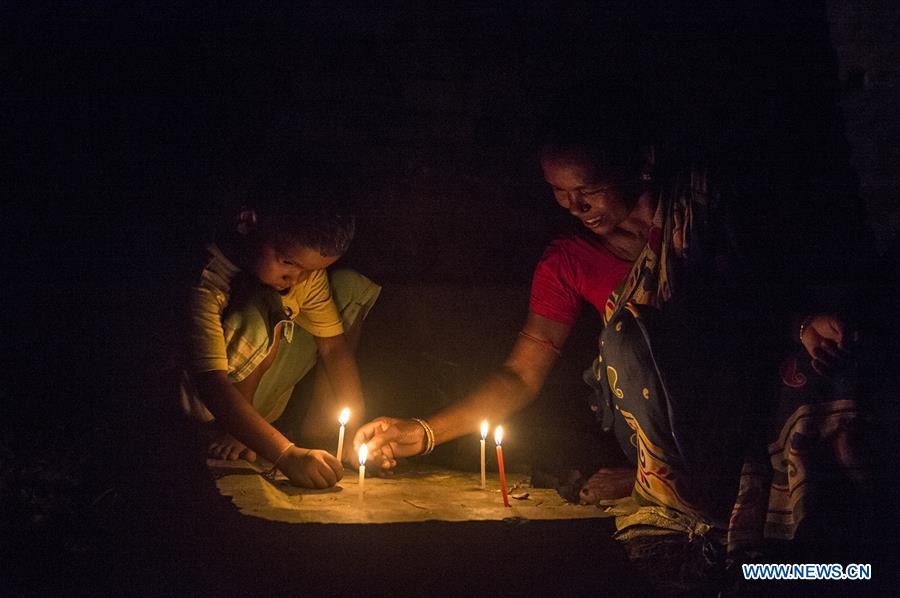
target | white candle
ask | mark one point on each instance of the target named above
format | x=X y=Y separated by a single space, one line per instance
x=363 y=453
x=343 y=419
x=484 y=431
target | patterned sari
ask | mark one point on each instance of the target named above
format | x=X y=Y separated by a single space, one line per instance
x=720 y=439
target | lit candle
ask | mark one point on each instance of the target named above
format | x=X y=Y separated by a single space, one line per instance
x=343 y=419
x=363 y=453
x=498 y=438
x=484 y=431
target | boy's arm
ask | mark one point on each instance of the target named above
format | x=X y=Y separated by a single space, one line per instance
x=237 y=416
x=309 y=468
x=343 y=375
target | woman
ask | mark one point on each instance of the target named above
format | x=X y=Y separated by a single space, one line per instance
x=689 y=351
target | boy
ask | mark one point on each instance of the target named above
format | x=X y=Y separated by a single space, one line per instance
x=263 y=313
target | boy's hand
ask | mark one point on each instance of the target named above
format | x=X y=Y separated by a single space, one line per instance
x=311 y=468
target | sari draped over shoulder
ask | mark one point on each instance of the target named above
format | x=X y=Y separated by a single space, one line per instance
x=719 y=432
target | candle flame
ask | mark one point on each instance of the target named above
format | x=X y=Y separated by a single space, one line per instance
x=345 y=416
x=363 y=453
x=498 y=434
x=484 y=429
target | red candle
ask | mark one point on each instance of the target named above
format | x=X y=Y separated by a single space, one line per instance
x=498 y=438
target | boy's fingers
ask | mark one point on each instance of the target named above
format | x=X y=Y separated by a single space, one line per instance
x=317 y=480
x=328 y=476
x=334 y=465
x=331 y=461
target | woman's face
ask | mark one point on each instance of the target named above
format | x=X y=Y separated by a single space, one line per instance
x=599 y=201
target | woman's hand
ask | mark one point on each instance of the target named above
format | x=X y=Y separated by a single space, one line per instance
x=390 y=439
x=311 y=468
x=826 y=338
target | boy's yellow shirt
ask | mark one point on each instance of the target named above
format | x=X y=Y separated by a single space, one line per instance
x=309 y=304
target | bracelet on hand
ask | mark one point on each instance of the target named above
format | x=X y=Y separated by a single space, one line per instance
x=429 y=435
x=270 y=473
x=803 y=326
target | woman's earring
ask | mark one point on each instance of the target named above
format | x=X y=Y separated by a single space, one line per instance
x=646 y=176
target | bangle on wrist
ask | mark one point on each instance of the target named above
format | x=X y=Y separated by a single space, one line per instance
x=803 y=326
x=429 y=435
x=270 y=473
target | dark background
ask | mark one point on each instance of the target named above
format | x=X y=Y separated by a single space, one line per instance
x=130 y=125
x=133 y=126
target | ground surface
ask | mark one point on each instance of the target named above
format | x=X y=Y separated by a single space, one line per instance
x=121 y=501
x=413 y=494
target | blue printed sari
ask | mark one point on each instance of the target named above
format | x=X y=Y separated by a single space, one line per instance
x=719 y=436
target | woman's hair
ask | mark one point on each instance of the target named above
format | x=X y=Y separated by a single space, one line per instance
x=612 y=134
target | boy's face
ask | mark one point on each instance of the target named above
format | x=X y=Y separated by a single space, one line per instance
x=282 y=268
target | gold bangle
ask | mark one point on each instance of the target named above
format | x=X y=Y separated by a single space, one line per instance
x=270 y=473
x=429 y=435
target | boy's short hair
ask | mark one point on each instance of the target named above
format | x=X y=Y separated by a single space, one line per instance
x=315 y=223
x=305 y=211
